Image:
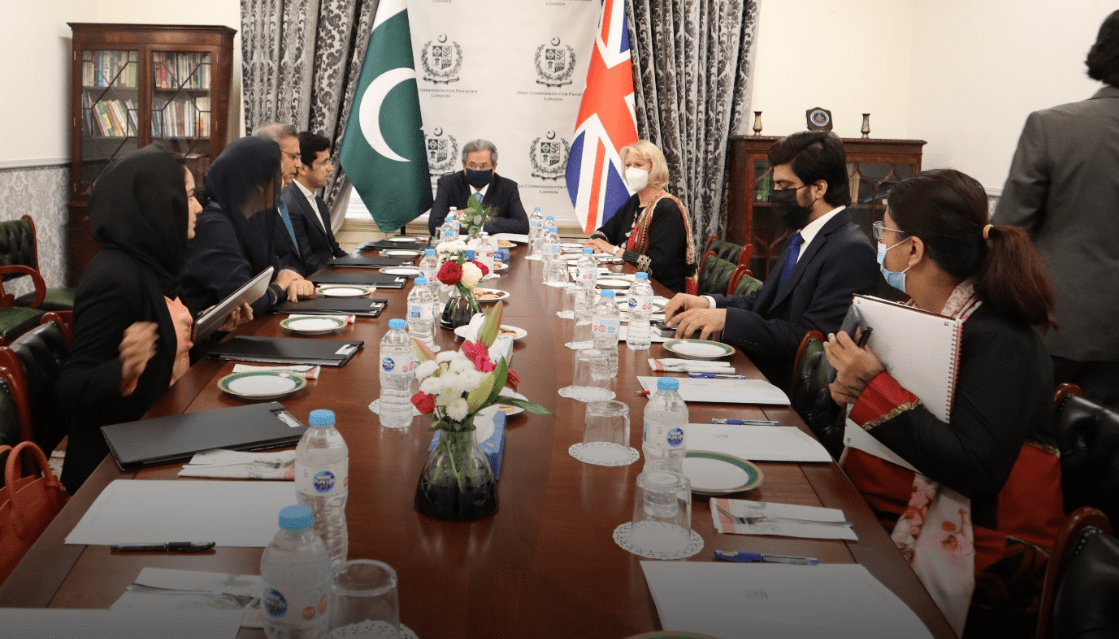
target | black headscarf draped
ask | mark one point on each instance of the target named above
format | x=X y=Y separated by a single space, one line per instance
x=139 y=206
x=244 y=165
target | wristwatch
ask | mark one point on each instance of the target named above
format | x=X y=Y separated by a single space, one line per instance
x=618 y=251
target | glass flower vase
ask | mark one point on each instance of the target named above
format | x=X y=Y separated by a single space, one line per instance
x=457 y=482
x=461 y=306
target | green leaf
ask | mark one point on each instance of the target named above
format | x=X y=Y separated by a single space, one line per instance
x=488 y=333
x=477 y=397
x=500 y=375
x=535 y=409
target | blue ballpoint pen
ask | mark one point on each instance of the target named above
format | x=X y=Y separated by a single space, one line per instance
x=714 y=376
x=745 y=422
x=758 y=557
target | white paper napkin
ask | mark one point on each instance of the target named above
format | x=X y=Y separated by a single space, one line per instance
x=781 y=528
x=306 y=370
x=231 y=464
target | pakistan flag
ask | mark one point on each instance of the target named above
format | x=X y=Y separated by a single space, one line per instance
x=383 y=147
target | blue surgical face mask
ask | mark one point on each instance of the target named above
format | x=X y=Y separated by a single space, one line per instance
x=895 y=279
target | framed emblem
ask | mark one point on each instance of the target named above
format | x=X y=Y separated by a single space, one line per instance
x=818 y=119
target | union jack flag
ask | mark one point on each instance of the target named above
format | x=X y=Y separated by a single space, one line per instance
x=606 y=124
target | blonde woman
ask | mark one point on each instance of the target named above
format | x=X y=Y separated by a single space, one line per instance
x=651 y=230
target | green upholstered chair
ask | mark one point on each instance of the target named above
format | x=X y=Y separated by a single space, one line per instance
x=19 y=257
x=742 y=282
x=12 y=428
x=34 y=360
x=714 y=275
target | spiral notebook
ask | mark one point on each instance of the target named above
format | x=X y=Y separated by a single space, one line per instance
x=919 y=349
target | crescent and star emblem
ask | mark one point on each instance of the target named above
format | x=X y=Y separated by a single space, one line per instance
x=555 y=42
x=369 y=113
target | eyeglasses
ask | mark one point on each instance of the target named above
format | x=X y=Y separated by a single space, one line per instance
x=294 y=157
x=479 y=167
x=880 y=231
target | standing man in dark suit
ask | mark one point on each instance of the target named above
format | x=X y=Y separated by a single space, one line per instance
x=1063 y=189
x=477 y=180
x=827 y=261
x=310 y=217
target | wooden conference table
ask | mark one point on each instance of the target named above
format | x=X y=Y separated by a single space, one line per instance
x=545 y=565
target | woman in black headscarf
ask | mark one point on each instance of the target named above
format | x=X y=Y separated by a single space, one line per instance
x=229 y=248
x=131 y=333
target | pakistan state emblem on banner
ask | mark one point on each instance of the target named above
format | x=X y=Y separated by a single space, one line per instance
x=555 y=64
x=442 y=152
x=549 y=157
x=441 y=60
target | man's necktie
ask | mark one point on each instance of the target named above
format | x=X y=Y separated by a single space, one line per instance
x=287 y=222
x=478 y=197
x=791 y=258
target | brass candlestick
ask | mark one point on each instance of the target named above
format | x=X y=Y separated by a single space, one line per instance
x=757 y=122
x=866 y=125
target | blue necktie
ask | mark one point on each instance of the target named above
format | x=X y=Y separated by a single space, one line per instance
x=287 y=222
x=791 y=258
x=478 y=196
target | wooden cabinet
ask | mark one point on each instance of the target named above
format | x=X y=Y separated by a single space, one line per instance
x=873 y=166
x=134 y=84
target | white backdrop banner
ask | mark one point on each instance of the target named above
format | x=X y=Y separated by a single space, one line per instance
x=509 y=71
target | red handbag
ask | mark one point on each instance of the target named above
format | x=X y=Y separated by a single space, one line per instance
x=28 y=503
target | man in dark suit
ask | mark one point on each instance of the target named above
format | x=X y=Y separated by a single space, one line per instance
x=810 y=287
x=477 y=180
x=310 y=217
x=286 y=254
x=1063 y=189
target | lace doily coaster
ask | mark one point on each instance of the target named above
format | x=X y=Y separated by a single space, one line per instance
x=578 y=346
x=565 y=314
x=604 y=454
x=371 y=630
x=623 y=536
x=535 y=257
x=376 y=408
x=586 y=393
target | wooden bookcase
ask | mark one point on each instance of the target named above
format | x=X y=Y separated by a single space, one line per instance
x=134 y=84
x=873 y=165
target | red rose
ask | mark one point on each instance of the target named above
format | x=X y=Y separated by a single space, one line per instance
x=482 y=267
x=450 y=273
x=512 y=380
x=424 y=403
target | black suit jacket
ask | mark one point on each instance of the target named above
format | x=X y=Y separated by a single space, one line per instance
x=312 y=229
x=769 y=323
x=503 y=198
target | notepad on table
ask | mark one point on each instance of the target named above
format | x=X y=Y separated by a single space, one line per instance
x=757 y=443
x=729 y=391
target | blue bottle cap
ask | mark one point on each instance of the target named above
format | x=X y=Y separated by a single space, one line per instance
x=397 y=323
x=321 y=417
x=296 y=517
x=668 y=383
x=429 y=251
x=550 y=217
x=421 y=281
x=608 y=293
x=469 y=255
x=642 y=276
x=588 y=251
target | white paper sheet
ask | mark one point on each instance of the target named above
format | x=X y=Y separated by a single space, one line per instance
x=230 y=513
x=777 y=601
x=757 y=443
x=729 y=391
x=512 y=237
x=112 y=624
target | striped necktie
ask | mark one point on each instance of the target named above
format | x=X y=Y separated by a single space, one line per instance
x=478 y=196
x=791 y=258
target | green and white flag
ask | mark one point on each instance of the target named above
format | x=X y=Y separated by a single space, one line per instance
x=383 y=149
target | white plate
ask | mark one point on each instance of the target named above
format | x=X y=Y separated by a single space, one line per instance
x=313 y=325
x=401 y=253
x=718 y=474
x=500 y=295
x=572 y=245
x=517 y=332
x=343 y=291
x=261 y=385
x=410 y=271
x=698 y=348
x=403 y=240
x=506 y=244
x=500 y=266
x=509 y=410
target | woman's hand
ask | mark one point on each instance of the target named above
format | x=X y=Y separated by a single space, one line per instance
x=240 y=315
x=855 y=367
x=600 y=245
x=136 y=349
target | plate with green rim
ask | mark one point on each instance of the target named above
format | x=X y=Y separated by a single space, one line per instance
x=343 y=291
x=698 y=348
x=718 y=474
x=313 y=325
x=261 y=385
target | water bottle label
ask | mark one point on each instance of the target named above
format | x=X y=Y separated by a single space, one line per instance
x=419 y=311
x=675 y=437
x=303 y=611
x=588 y=274
x=644 y=303
x=536 y=224
x=389 y=365
x=605 y=327
x=331 y=481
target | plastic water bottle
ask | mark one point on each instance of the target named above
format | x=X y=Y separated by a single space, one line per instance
x=429 y=267
x=666 y=426
x=295 y=571
x=448 y=224
x=322 y=478
x=640 y=303
x=605 y=326
x=398 y=370
x=448 y=235
x=535 y=230
x=553 y=267
x=487 y=246
x=456 y=224
x=421 y=313
x=587 y=269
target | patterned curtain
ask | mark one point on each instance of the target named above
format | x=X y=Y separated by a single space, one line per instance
x=301 y=63
x=691 y=67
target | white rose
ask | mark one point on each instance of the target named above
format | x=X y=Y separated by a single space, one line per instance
x=423 y=371
x=471 y=275
x=458 y=409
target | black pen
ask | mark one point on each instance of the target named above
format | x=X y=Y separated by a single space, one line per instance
x=173 y=546
x=864 y=336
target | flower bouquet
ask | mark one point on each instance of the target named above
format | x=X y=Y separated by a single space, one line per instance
x=474 y=216
x=457 y=482
x=462 y=273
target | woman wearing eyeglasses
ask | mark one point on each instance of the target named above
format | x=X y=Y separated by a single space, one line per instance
x=983 y=511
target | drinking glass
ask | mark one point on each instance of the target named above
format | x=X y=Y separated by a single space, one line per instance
x=662 y=512
x=607 y=421
x=366 y=602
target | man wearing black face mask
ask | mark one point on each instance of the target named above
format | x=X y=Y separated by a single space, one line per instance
x=810 y=286
x=477 y=181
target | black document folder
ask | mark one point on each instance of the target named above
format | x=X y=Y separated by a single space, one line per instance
x=362 y=306
x=287 y=350
x=370 y=262
x=166 y=440
x=333 y=276
x=419 y=244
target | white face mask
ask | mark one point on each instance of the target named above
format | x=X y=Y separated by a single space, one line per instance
x=636 y=178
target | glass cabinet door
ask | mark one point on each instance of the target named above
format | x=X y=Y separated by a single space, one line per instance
x=109 y=109
x=181 y=109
